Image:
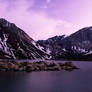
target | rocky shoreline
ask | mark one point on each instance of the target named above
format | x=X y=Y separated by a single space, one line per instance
x=36 y=66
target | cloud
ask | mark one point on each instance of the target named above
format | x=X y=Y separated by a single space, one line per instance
x=48 y=1
x=36 y=24
x=64 y=27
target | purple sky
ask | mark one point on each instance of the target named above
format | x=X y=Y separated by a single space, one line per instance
x=42 y=19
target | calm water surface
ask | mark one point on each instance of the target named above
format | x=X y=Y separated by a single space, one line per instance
x=54 y=81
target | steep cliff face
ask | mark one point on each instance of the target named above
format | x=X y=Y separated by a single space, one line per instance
x=77 y=46
x=16 y=44
x=83 y=38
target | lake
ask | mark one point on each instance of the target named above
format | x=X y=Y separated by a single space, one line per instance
x=49 y=81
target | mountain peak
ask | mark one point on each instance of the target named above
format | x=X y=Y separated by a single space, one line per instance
x=4 y=22
x=2 y=19
x=16 y=44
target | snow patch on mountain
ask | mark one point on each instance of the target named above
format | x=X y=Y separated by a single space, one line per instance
x=38 y=46
x=48 y=51
x=64 y=49
x=90 y=52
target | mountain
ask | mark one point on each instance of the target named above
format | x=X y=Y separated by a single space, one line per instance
x=77 y=46
x=16 y=44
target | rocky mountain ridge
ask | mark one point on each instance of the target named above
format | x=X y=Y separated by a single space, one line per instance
x=77 y=46
x=16 y=44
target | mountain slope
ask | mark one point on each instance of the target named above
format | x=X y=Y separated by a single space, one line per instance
x=77 y=46
x=16 y=44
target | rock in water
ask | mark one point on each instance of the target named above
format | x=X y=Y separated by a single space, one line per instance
x=36 y=66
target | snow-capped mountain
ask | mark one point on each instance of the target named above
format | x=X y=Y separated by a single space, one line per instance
x=16 y=44
x=77 y=46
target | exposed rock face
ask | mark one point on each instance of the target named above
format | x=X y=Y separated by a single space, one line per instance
x=53 y=46
x=16 y=44
x=77 y=46
x=83 y=38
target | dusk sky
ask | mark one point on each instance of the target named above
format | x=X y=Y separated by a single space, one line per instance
x=42 y=19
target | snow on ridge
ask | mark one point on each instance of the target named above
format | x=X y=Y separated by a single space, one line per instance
x=82 y=50
x=90 y=52
x=38 y=47
x=3 y=46
x=64 y=49
x=48 y=51
x=78 y=49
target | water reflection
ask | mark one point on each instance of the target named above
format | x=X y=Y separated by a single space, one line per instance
x=58 y=81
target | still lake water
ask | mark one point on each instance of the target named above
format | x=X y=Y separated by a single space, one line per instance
x=49 y=81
